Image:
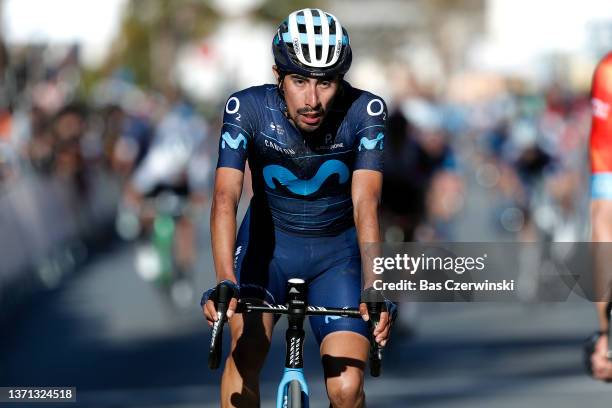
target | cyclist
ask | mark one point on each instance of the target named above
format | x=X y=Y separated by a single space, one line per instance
x=601 y=196
x=315 y=147
x=169 y=166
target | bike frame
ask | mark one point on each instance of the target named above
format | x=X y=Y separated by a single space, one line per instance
x=294 y=361
x=296 y=309
x=168 y=208
x=163 y=233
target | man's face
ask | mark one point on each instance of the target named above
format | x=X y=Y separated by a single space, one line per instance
x=308 y=99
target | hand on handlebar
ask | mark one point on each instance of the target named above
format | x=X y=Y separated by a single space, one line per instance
x=382 y=329
x=215 y=296
x=601 y=365
x=384 y=311
x=210 y=312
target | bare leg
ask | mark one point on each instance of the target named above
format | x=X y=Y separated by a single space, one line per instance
x=185 y=243
x=250 y=344
x=344 y=355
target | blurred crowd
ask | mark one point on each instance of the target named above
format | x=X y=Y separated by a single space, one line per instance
x=52 y=125
x=513 y=161
x=70 y=144
x=508 y=164
x=525 y=146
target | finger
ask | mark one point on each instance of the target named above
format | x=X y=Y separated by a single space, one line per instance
x=599 y=366
x=383 y=322
x=363 y=310
x=598 y=369
x=607 y=369
x=384 y=334
x=601 y=346
x=382 y=340
x=384 y=317
x=211 y=311
x=594 y=362
x=232 y=307
x=600 y=374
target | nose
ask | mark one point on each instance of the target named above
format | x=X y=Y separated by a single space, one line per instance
x=312 y=96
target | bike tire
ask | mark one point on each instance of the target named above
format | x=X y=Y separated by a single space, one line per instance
x=294 y=394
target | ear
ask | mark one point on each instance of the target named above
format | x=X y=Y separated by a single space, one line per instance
x=276 y=73
x=279 y=78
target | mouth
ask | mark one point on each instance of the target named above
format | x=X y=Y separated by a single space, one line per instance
x=311 y=119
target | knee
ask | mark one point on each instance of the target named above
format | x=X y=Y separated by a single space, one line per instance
x=346 y=391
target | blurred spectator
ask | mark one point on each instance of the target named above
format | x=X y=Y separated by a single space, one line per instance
x=174 y=166
x=40 y=149
x=69 y=128
x=401 y=205
x=126 y=139
x=421 y=191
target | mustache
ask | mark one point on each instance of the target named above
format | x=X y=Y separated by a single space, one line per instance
x=307 y=110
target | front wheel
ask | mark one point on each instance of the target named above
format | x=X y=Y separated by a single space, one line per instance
x=294 y=395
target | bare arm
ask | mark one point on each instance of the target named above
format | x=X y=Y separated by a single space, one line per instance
x=226 y=195
x=366 y=192
x=601 y=221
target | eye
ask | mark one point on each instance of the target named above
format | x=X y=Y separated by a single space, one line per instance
x=298 y=81
x=325 y=84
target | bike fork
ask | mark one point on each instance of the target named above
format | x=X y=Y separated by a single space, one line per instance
x=293 y=384
x=290 y=375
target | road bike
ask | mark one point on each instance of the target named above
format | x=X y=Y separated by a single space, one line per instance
x=155 y=259
x=293 y=388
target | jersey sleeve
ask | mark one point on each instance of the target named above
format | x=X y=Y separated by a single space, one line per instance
x=370 y=133
x=236 y=132
x=601 y=131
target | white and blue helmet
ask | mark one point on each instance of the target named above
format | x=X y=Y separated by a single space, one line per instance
x=313 y=43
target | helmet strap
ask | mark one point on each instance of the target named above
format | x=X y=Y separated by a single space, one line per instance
x=279 y=87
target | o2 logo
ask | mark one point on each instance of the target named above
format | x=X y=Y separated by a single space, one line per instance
x=232 y=107
x=376 y=107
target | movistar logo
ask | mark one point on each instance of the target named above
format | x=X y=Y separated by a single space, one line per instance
x=329 y=318
x=305 y=187
x=371 y=144
x=234 y=143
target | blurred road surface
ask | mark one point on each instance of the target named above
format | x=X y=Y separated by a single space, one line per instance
x=109 y=334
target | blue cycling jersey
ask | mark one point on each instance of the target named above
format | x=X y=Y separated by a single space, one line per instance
x=302 y=182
